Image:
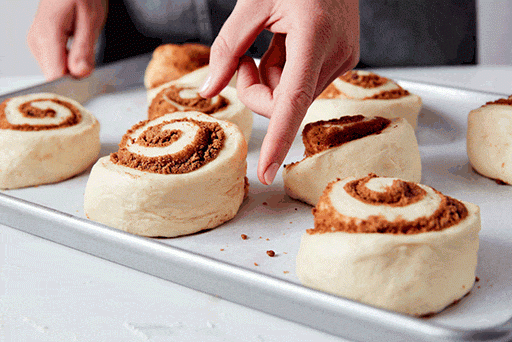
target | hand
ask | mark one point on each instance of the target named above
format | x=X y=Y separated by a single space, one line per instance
x=314 y=42
x=55 y=22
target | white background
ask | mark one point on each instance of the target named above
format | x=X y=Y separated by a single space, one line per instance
x=494 y=35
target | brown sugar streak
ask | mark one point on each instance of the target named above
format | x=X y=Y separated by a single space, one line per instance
x=366 y=81
x=27 y=110
x=327 y=219
x=399 y=194
x=389 y=94
x=205 y=147
x=172 y=61
x=161 y=104
x=506 y=102
x=322 y=135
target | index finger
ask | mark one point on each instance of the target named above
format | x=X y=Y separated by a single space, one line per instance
x=292 y=97
x=234 y=39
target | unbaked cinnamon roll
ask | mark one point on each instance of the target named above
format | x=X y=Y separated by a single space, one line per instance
x=170 y=62
x=179 y=96
x=175 y=175
x=352 y=146
x=45 y=138
x=366 y=93
x=392 y=244
x=489 y=140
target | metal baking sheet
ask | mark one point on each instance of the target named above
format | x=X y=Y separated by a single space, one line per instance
x=221 y=263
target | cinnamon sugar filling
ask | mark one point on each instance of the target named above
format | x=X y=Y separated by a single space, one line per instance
x=187 y=57
x=29 y=111
x=330 y=92
x=204 y=148
x=399 y=194
x=322 y=135
x=363 y=80
x=327 y=219
x=166 y=100
x=506 y=102
x=389 y=94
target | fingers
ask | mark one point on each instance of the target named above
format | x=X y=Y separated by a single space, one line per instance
x=55 y=22
x=89 y=20
x=236 y=36
x=291 y=99
x=47 y=39
x=272 y=62
x=256 y=96
x=330 y=72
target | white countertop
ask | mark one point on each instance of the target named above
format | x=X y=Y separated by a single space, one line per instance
x=53 y=293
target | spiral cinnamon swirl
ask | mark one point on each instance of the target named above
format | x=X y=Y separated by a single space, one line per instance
x=362 y=92
x=390 y=243
x=175 y=175
x=489 y=140
x=170 y=62
x=352 y=146
x=180 y=96
x=45 y=138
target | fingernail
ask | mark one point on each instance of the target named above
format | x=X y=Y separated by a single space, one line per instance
x=270 y=173
x=206 y=84
x=82 y=67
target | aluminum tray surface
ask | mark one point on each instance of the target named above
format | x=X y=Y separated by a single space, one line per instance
x=220 y=262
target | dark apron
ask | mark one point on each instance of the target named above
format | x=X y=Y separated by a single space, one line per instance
x=393 y=32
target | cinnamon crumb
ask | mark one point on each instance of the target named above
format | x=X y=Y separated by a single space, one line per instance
x=265 y=203
x=477 y=279
x=267 y=239
x=271 y=253
x=255 y=264
x=222 y=249
x=286 y=272
x=243 y=236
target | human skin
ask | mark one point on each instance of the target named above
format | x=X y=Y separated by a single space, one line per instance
x=314 y=42
x=55 y=22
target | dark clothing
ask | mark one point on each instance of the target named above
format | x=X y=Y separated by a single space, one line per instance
x=135 y=27
x=426 y=32
x=393 y=32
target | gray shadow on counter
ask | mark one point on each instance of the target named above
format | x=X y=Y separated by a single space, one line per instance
x=107 y=148
x=436 y=129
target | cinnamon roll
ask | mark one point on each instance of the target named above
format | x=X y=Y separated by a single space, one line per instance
x=180 y=96
x=489 y=140
x=45 y=138
x=175 y=175
x=366 y=93
x=392 y=244
x=352 y=146
x=170 y=62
